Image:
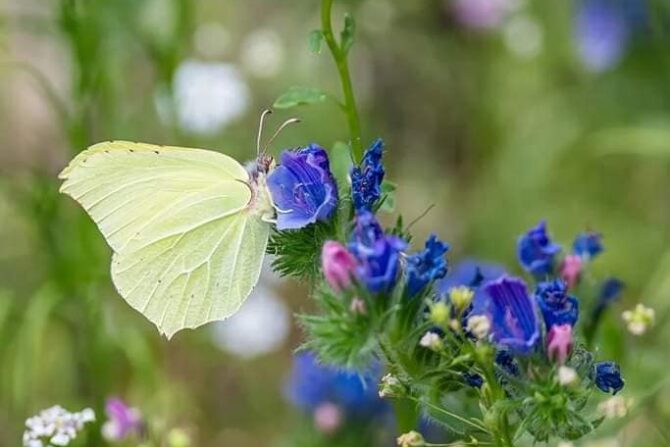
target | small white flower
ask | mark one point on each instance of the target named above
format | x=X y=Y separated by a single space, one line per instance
x=207 y=96
x=567 y=376
x=615 y=407
x=260 y=327
x=55 y=426
x=479 y=326
x=263 y=53
x=524 y=36
x=640 y=319
x=431 y=340
x=390 y=386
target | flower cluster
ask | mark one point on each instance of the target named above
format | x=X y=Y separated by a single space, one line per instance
x=55 y=426
x=122 y=421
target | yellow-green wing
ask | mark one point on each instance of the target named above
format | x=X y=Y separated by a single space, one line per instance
x=186 y=249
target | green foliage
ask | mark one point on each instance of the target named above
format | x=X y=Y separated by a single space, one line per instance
x=388 y=197
x=298 y=251
x=315 y=41
x=299 y=95
x=339 y=333
x=347 y=34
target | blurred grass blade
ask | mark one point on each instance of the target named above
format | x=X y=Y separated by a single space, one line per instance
x=646 y=142
x=296 y=96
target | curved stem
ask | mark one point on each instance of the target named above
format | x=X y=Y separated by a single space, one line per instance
x=342 y=64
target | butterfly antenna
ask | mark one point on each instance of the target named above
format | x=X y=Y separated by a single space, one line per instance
x=264 y=113
x=278 y=131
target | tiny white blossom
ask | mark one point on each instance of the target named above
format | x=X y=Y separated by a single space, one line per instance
x=479 y=326
x=567 y=376
x=640 y=319
x=55 y=426
x=615 y=407
x=431 y=340
x=390 y=386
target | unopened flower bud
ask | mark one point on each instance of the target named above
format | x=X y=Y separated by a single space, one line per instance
x=357 y=306
x=461 y=297
x=432 y=341
x=411 y=439
x=640 y=319
x=338 y=265
x=615 y=407
x=390 y=386
x=559 y=343
x=439 y=314
x=479 y=326
x=327 y=418
x=567 y=376
x=571 y=270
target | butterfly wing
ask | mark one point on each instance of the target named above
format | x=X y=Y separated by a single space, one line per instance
x=186 y=248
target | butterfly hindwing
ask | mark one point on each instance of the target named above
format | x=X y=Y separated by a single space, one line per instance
x=186 y=248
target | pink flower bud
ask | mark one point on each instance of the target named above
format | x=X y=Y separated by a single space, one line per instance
x=571 y=269
x=327 y=418
x=338 y=265
x=559 y=343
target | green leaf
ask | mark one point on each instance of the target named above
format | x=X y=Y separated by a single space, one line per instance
x=340 y=164
x=388 y=197
x=315 y=41
x=647 y=141
x=347 y=34
x=296 y=96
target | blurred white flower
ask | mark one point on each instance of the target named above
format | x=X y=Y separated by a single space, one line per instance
x=615 y=407
x=479 y=326
x=55 y=426
x=565 y=444
x=263 y=53
x=208 y=96
x=640 y=319
x=567 y=376
x=524 y=36
x=260 y=327
x=431 y=341
x=211 y=39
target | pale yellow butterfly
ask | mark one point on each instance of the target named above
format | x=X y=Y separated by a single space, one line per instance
x=188 y=227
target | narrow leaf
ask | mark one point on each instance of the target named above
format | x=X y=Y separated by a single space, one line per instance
x=347 y=34
x=296 y=96
x=315 y=41
x=388 y=197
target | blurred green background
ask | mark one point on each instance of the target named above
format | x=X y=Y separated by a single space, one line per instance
x=497 y=112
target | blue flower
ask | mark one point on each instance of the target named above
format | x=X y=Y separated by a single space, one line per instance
x=607 y=377
x=514 y=324
x=602 y=34
x=312 y=384
x=427 y=265
x=588 y=245
x=556 y=305
x=378 y=254
x=303 y=188
x=610 y=291
x=536 y=251
x=473 y=379
x=366 y=179
x=470 y=273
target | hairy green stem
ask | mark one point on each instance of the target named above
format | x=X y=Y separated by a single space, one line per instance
x=340 y=58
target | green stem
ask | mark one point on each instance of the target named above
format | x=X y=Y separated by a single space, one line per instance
x=406 y=414
x=340 y=57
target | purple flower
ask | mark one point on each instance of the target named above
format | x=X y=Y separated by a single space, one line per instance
x=536 y=251
x=378 y=254
x=122 y=421
x=602 y=34
x=471 y=273
x=588 y=245
x=556 y=305
x=303 y=188
x=607 y=377
x=427 y=265
x=514 y=324
x=366 y=179
x=311 y=385
x=559 y=343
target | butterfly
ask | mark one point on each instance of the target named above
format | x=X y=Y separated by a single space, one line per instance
x=188 y=227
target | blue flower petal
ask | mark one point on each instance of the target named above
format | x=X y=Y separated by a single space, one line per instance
x=366 y=179
x=556 y=305
x=302 y=187
x=427 y=265
x=536 y=251
x=607 y=377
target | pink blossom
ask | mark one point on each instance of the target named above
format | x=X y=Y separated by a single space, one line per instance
x=338 y=265
x=327 y=417
x=559 y=343
x=571 y=269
